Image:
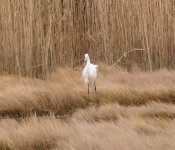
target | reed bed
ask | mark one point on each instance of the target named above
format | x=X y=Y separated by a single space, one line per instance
x=37 y=36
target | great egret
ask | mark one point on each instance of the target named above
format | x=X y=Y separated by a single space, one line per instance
x=90 y=72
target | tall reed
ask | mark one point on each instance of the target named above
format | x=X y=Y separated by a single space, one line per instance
x=37 y=36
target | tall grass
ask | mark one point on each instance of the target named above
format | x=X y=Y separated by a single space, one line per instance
x=105 y=128
x=136 y=111
x=37 y=36
x=64 y=92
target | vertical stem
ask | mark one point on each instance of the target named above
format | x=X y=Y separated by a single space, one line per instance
x=146 y=40
x=18 y=64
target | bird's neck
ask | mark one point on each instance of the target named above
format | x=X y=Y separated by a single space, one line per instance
x=88 y=61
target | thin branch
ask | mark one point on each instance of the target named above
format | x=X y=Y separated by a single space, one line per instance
x=36 y=66
x=53 y=62
x=125 y=55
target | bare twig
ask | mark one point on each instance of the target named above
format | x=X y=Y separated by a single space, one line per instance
x=125 y=55
x=54 y=62
x=36 y=66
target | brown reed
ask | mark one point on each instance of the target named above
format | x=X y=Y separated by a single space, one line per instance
x=37 y=36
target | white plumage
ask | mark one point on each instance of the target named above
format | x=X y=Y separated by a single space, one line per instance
x=89 y=72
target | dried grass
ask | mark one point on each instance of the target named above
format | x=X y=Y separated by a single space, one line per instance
x=37 y=36
x=57 y=114
x=64 y=92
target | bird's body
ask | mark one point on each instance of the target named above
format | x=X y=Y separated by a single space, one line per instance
x=89 y=72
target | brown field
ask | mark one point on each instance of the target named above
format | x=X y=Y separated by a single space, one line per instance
x=44 y=104
x=131 y=111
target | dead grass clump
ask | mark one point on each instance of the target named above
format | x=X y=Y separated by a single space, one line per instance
x=160 y=114
x=134 y=96
x=42 y=100
x=136 y=88
x=50 y=133
x=64 y=92
x=96 y=114
x=115 y=112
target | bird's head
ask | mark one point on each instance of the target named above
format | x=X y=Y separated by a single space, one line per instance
x=86 y=57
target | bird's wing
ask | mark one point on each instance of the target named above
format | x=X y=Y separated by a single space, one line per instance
x=83 y=73
x=94 y=65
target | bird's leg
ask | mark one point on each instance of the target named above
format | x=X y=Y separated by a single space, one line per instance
x=97 y=99
x=95 y=88
x=88 y=89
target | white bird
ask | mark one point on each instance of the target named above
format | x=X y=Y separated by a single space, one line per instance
x=90 y=72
